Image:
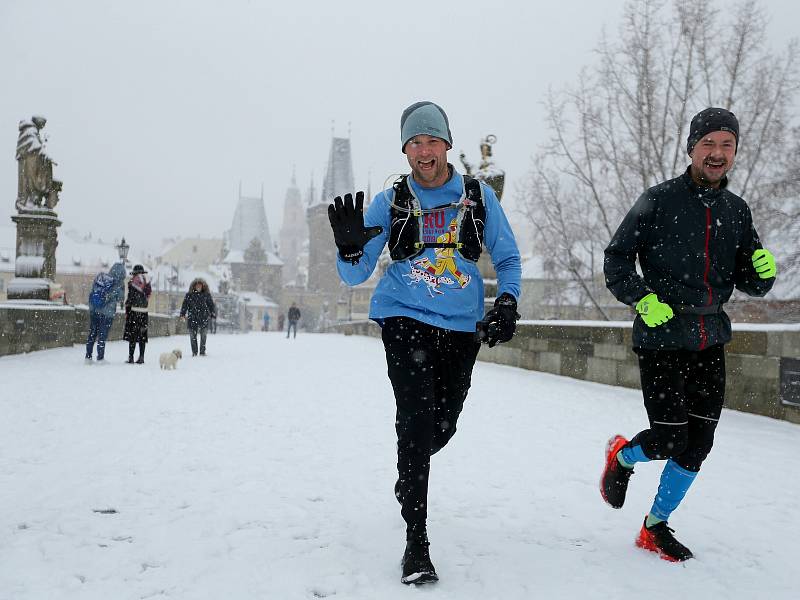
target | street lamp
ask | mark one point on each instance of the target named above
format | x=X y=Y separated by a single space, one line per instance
x=123 y=250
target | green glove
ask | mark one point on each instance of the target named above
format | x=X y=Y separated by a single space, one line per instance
x=654 y=313
x=764 y=263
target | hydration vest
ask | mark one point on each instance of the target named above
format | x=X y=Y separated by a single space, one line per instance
x=406 y=231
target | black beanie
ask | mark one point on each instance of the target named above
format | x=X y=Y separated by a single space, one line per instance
x=708 y=120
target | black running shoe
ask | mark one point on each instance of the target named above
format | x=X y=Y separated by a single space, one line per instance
x=659 y=538
x=614 y=481
x=417 y=566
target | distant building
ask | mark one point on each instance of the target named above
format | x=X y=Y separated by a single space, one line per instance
x=192 y=252
x=253 y=263
x=322 y=275
x=325 y=299
x=293 y=234
x=249 y=221
x=254 y=306
x=181 y=260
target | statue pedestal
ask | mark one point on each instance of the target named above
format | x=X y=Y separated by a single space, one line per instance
x=35 y=267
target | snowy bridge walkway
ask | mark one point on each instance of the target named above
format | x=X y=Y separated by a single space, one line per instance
x=265 y=470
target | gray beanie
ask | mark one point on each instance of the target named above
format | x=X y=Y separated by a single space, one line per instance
x=425 y=118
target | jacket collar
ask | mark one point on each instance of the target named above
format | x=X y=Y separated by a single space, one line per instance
x=707 y=195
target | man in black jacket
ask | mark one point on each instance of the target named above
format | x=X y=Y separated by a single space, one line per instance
x=695 y=241
x=293 y=317
x=199 y=306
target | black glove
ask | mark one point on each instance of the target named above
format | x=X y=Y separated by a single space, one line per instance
x=347 y=222
x=499 y=323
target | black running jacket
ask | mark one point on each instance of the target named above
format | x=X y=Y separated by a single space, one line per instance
x=694 y=245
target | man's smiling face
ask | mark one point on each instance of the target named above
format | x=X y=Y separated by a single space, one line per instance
x=712 y=157
x=427 y=156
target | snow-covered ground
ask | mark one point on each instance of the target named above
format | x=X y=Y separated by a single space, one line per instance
x=265 y=471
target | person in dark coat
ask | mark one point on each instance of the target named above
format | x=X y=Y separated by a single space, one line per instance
x=198 y=309
x=293 y=317
x=695 y=241
x=136 y=318
x=102 y=317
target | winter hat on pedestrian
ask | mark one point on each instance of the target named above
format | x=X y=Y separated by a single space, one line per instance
x=425 y=118
x=137 y=270
x=708 y=120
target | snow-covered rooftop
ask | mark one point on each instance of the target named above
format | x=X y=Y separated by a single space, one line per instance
x=237 y=256
x=75 y=253
x=256 y=299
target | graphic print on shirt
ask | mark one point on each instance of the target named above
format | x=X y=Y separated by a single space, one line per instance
x=436 y=274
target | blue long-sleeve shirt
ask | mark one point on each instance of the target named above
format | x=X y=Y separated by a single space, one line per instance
x=438 y=287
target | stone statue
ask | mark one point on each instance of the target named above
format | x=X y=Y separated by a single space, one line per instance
x=487 y=171
x=36 y=188
x=36 y=221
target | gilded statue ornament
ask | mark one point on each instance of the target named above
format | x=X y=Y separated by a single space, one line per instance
x=36 y=187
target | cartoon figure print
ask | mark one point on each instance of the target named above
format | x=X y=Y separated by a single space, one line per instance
x=433 y=274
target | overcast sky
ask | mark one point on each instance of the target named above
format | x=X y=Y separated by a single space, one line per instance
x=157 y=109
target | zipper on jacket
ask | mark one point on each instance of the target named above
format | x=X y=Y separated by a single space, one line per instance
x=703 y=332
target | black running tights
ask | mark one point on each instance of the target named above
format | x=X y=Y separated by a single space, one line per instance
x=683 y=395
x=430 y=370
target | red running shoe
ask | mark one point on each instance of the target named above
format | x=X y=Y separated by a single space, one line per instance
x=659 y=539
x=614 y=482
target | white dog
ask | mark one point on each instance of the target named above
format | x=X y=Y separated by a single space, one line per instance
x=169 y=360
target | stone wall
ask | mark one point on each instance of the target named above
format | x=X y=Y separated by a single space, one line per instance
x=28 y=327
x=601 y=352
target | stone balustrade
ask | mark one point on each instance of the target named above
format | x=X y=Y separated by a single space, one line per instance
x=759 y=359
x=29 y=326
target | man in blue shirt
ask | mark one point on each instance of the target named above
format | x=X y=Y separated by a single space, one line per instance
x=430 y=299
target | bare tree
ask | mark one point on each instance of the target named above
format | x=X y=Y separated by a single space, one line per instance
x=622 y=128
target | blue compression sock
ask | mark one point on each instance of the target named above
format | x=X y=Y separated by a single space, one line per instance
x=675 y=482
x=623 y=462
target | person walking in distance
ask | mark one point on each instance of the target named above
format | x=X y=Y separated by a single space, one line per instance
x=429 y=300
x=136 y=317
x=695 y=241
x=292 y=317
x=198 y=309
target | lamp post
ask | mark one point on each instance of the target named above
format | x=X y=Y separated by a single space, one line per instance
x=123 y=248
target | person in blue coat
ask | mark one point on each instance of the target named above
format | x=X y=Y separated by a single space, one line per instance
x=109 y=291
x=430 y=300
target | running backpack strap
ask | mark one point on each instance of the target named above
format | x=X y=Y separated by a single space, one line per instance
x=471 y=219
x=472 y=190
x=407 y=220
x=405 y=231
